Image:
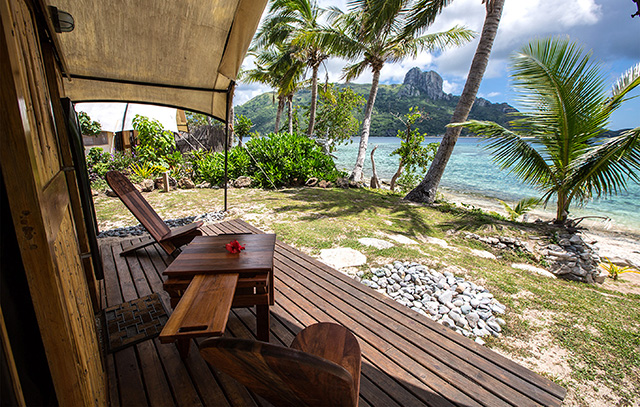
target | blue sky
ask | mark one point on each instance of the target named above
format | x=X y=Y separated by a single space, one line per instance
x=603 y=26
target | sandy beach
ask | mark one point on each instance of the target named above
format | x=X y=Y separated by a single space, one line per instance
x=619 y=244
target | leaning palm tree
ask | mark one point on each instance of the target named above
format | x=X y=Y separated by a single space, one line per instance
x=375 y=32
x=559 y=144
x=426 y=190
x=296 y=22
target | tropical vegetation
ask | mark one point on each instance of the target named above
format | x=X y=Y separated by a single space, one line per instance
x=272 y=161
x=88 y=127
x=391 y=100
x=414 y=157
x=557 y=145
x=293 y=24
x=373 y=33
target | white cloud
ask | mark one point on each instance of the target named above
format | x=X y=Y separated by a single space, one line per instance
x=451 y=87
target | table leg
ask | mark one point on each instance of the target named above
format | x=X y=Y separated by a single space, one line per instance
x=183 y=346
x=263 y=322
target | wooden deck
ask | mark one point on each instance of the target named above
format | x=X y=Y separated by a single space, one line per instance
x=408 y=360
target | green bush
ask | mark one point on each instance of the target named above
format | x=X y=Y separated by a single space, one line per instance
x=156 y=143
x=210 y=168
x=100 y=162
x=273 y=161
x=287 y=159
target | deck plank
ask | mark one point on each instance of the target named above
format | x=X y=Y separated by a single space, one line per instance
x=408 y=360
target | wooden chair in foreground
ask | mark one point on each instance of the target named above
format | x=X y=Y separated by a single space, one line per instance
x=321 y=368
x=169 y=239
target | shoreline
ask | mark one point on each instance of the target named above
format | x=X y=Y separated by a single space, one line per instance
x=619 y=244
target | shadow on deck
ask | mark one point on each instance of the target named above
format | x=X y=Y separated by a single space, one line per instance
x=408 y=360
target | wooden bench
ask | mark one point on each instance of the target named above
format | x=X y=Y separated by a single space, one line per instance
x=250 y=290
x=203 y=310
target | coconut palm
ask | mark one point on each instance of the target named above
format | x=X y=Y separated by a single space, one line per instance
x=295 y=22
x=559 y=144
x=276 y=67
x=426 y=190
x=375 y=32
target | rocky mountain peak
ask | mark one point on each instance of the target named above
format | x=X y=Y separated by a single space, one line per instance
x=427 y=84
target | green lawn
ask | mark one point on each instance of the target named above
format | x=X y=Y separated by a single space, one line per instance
x=584 y=337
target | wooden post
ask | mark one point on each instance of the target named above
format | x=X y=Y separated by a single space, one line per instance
x=165 y=182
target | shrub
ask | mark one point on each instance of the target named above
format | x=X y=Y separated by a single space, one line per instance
x=287 y=159
x=210 y=168
x=100 y=162
x=156 y=143
x=273 y=161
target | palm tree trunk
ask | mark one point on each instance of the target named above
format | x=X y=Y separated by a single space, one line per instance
x=426 y=190
x=561 y=209
x=279 y=112
x=356 y=174
x=314 y=101
x=290 y=112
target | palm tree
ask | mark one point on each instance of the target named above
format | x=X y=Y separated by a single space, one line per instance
x=276 y=67
x=376 y=32
x=295 y=22
x=426 y=190
x=558 y=144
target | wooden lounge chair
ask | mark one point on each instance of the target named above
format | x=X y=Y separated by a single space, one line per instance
x=169 y=239
x=321 y=368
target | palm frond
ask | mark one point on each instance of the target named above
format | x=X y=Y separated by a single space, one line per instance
x=353 y=71
x=423 y=13
x=454 y=36
x=627 y=82
x=605 y=169
x=557 y=82
x=512 y=152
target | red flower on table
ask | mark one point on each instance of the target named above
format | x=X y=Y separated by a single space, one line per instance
x=234 y=247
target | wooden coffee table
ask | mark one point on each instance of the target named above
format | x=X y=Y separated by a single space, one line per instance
x=245 y=279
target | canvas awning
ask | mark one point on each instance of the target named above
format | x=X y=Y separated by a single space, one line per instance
x=182 y=53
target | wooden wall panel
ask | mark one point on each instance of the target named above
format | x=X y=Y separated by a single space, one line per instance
x=39 y=199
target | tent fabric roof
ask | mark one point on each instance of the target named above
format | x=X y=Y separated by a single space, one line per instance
x=182 y=53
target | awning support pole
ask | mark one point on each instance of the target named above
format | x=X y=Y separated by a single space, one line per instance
x=226 y=139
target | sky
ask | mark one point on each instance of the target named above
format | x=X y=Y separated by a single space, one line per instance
x=603 y=26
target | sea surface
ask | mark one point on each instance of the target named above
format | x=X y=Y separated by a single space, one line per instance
x=471 y=170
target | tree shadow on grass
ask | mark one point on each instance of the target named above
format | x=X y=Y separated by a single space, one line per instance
x=468 y=220
x=337 y=203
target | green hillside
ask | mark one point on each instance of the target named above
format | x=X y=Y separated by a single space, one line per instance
x=262 y=110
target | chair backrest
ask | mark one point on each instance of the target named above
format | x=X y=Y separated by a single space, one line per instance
x=139 y=206
x=283 y=376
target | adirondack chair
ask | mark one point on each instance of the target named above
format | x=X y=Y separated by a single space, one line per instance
x=168 y=239
x=321 y=368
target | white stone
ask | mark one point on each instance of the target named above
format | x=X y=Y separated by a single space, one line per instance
x=403 y=239
x=377 y=243
x=434 y=240
x=533 y=269
x=482 y=253
x=342 y=257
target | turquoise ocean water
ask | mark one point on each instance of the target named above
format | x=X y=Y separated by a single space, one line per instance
x=471 y=170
